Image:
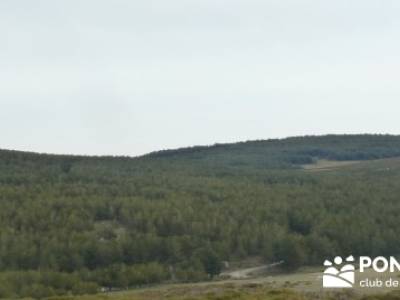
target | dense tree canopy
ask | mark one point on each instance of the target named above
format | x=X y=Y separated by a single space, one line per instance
x=77 y=224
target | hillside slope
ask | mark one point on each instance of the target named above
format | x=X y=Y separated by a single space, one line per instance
x=76 y=224
x=289 y=152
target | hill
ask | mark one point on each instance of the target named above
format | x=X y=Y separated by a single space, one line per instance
x=76 y=224
x=289 y=152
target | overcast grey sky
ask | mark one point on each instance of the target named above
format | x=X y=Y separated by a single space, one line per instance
x=133 y=76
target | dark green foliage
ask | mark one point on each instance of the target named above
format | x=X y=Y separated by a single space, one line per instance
x=291 y=251
x=288 y=152
x=41 y=284
x=211 y=262
x=71 y=224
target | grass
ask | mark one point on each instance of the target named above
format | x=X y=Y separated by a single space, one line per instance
x=226 y=293
x=303 y=285
x=326 y=165
x=377 y=165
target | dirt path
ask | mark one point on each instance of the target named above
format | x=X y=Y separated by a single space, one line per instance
x=249 y=272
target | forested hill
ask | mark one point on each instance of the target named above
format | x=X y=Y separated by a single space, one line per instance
x=75 y=224
x=273 y=153
x=289 y=152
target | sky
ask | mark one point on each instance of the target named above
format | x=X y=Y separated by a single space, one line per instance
x=127 y=77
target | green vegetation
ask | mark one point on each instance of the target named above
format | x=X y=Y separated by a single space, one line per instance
x=73 y=225
x=233 y=292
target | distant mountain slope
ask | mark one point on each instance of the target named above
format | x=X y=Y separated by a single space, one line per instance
x=289 y=152
x=262 y=153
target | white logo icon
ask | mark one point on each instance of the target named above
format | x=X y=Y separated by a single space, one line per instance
x=339 y=278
